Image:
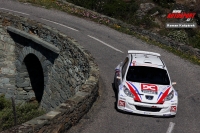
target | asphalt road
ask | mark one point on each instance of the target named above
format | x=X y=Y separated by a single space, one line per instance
x=109 y=47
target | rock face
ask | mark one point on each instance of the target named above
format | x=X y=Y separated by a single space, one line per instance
x=144 y=8
x=39 y=63
x=186 y=1
x=191 y=4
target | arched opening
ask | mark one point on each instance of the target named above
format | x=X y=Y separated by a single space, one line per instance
x=36 y=75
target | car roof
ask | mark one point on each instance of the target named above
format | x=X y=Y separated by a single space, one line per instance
x=145 y=58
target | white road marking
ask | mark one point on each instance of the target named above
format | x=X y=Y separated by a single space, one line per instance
x=105 y=44
x=15 y=11
x=60 y=24
x=171 y=127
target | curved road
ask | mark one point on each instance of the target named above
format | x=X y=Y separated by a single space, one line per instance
x=109 y=47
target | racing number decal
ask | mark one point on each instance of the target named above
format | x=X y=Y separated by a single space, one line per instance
x=149 y=88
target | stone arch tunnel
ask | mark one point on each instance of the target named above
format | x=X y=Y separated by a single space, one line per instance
x=33 y=65
x=34 y=73
x=40 y=64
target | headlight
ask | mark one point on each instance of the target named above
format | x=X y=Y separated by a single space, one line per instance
x=127 y=92
x=170 y=96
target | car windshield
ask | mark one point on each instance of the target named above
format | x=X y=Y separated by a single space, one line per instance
x=145 y=74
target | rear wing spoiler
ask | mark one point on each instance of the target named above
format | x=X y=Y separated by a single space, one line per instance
x=142 y=52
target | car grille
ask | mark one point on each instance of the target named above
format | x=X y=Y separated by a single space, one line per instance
x=147 y=109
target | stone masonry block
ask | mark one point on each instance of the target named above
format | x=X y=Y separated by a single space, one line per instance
x=3 y=90
x=24 y=84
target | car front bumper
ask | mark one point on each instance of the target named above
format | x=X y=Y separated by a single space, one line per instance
x=169 y=108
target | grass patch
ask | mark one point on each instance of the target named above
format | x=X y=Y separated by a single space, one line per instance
x=24 y=113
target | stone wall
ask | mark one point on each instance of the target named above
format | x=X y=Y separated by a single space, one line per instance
x=29 y=51
x=69 y=112
x=39 y=63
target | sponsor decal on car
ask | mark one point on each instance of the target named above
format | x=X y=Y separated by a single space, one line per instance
x=173 y=109
x=121 y=103
x=149 y=88
x=147 y=113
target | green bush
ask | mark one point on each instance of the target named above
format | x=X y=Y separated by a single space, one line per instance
x=154 y=9
x=195 y=40
x=118 y=9
x=89 y=4
x=191 y=32
x=24 y=113
x=6 y=118
x=4 y=103
x=164 y=3
x=146 y=22
x=121 y=10
x=179 y=36
x=197 y=19
x=163 y=32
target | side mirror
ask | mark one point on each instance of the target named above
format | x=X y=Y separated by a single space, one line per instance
x=173 y=83
x=118 y=77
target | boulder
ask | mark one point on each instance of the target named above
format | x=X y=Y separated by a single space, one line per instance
x=144 y=8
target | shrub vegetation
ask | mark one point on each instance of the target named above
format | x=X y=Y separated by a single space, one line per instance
x=165 y=3
x=179 y=36
x=24 y=112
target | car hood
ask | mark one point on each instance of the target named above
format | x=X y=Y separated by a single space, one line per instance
x=149 y=93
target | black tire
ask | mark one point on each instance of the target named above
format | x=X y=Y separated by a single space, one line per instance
x=114 y=81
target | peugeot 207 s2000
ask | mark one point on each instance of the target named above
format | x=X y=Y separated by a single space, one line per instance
x=144 y=86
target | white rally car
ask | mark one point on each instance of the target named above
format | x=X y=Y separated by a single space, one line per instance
x=144 y=86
